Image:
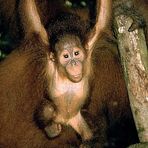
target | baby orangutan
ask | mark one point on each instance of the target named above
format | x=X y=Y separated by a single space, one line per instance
x=69 y=72
x=68 y=88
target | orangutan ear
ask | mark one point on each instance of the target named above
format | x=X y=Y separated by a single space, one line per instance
x=52 y=57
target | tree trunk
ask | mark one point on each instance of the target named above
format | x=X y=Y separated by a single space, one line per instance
x=134 y=58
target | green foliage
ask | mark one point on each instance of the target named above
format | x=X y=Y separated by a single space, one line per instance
x=76 y=4
x=4 y=47
x=2 y=55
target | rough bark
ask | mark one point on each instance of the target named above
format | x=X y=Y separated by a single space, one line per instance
x=134 y=58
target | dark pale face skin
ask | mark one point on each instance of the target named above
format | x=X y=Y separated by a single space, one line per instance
x=71 y=57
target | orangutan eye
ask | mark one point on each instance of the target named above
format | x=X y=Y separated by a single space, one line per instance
x=65 y=56
x=76 y=53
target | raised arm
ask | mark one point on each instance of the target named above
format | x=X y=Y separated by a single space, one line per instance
x=31 y=20
x=104 y=11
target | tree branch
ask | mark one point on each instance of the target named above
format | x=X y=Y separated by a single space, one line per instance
x=134 y=58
